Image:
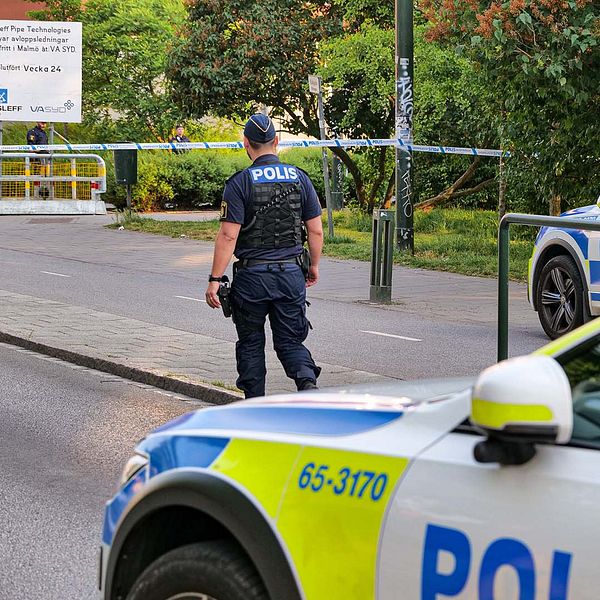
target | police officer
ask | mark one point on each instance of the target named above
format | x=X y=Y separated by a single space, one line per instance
x=179 y=138
x=263 y=209
x=37 y=135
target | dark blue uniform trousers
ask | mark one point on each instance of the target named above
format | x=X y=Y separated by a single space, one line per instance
x=277 y=290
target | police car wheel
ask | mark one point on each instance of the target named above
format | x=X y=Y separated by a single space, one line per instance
x=216 y=570
x=560 y=296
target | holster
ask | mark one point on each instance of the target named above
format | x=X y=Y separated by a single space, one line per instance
x=224 y=294
x=304 y=262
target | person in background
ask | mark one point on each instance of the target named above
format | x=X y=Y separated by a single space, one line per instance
x=37 y=136
x=179 y=138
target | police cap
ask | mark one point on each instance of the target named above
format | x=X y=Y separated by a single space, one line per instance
x=259 y=128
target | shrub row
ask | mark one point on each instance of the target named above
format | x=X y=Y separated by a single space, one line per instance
x=195 y=179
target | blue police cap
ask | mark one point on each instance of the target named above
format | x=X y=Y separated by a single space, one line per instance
x=259 y=128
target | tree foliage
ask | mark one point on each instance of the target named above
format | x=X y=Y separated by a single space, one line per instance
x=542 y=58
x=125 y=46
x=57 y=10
x=234 y=55
x=451 y=108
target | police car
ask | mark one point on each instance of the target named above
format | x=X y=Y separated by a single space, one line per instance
x=484 y=490
x=564 y=274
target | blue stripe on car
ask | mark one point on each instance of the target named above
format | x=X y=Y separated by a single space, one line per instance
x=285 y=419
x=594 y=271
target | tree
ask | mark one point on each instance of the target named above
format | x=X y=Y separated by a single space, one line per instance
x=125 y=45
x=543 y=58
x=451 y=108
x=57 y=10
x=235 y=54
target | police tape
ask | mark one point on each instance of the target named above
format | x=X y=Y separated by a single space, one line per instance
x=370 y=143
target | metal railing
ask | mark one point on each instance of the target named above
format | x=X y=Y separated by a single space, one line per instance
x=504 y=255
x=36 y=176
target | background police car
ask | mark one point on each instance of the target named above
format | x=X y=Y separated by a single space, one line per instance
x=564 y=274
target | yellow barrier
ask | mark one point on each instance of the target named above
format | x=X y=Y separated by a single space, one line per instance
x=56 y=177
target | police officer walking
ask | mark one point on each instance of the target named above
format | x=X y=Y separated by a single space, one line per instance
x=262 y=213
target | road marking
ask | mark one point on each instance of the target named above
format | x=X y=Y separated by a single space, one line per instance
x=399 y=337
x=188 y=298
x=57 y=274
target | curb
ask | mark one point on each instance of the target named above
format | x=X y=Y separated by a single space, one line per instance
x=200 y=391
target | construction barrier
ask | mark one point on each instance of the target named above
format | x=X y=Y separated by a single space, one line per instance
x=64 y=182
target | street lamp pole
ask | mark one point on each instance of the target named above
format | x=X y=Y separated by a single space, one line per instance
x=404 y=121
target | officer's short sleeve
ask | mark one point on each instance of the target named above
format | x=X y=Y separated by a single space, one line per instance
x=30 y=137
x=232 y=205
x=311 y=207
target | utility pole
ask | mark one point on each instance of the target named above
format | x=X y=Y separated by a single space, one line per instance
x=404 y=120
x=315 y=87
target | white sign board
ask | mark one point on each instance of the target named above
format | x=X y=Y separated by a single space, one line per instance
x=40 y=71
x=314 y=84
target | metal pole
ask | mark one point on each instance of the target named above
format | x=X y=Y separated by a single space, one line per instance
x=503 y=258
x=325 y=160
x=404 y=122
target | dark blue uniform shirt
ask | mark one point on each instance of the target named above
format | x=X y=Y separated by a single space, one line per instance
x=237 y=203
x=37 y=137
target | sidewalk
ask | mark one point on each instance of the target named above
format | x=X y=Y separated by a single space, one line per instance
x=196 y=365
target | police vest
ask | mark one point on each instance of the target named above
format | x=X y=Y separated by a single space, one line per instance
x=275 y=219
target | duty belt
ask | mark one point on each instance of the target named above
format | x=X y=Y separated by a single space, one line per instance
x=251 y=262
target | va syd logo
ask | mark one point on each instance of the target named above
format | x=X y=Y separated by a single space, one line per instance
x=66 y=107
x=3 y=96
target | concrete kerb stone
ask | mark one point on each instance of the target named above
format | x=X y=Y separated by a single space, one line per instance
x=201 y=391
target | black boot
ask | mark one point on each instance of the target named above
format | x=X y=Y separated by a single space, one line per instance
x=306 y=384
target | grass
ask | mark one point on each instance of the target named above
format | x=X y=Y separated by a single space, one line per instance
x=460 y=241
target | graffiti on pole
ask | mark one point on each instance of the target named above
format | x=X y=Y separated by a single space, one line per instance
x=405 y=105
x=406 y=188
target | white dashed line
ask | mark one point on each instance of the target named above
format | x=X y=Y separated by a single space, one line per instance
x=188 y=298
x=56 y=274
x=399 y=337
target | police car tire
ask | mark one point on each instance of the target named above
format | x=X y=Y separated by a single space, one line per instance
x=217 y=570
x=567 y=265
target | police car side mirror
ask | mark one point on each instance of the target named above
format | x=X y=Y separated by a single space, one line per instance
x=518 y=403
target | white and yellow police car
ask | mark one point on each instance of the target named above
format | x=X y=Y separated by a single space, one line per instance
x=426 y=490
x=564 y=274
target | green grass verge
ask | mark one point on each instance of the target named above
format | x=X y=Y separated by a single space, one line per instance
x=460 y=241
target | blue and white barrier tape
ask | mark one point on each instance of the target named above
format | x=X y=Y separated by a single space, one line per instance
x=238 y=146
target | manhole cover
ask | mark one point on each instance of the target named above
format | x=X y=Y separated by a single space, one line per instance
x=47 y=220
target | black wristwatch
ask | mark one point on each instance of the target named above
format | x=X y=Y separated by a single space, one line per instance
x=213 y=278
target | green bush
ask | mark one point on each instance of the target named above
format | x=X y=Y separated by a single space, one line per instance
x=183 y=181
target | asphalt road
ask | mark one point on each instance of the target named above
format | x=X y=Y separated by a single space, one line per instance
x=154 y=280
x=65 y=434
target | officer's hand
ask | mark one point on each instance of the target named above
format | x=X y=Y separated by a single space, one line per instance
x=211 y=295
x=313 y=276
